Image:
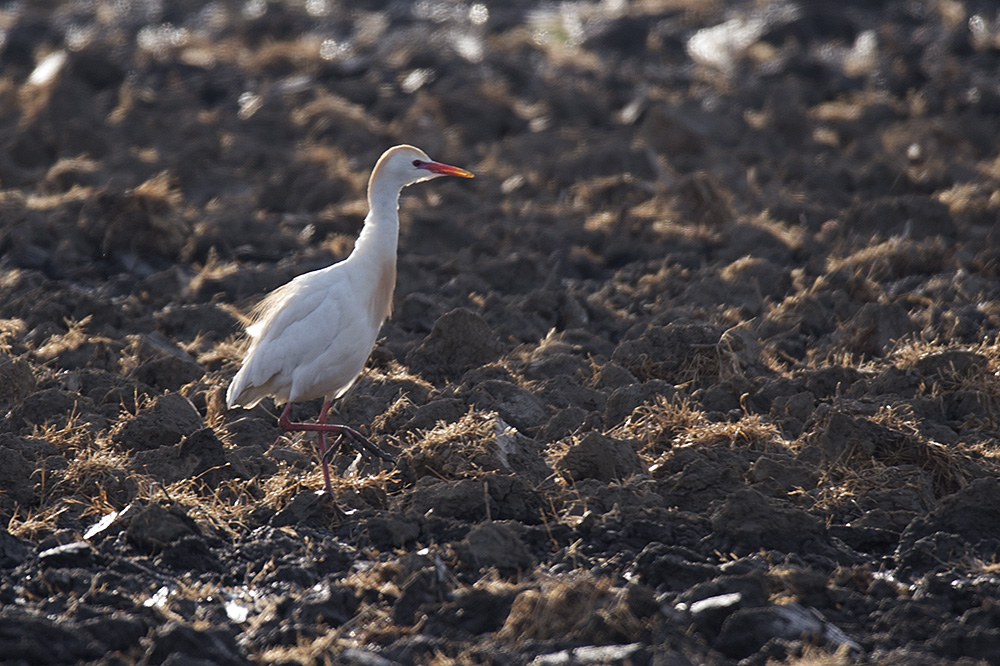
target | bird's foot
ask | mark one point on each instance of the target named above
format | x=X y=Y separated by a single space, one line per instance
x=347 y=434
x=368 y=449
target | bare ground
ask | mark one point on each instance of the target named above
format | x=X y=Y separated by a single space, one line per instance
x=702 y=368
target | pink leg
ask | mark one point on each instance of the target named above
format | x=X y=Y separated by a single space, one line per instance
x=322 y=447
x=321 y=427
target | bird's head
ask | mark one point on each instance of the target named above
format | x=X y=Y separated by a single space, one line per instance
x=405 y=165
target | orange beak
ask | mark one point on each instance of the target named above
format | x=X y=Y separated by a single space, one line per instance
x=446 y=170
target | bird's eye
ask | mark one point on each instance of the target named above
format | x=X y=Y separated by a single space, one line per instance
x=417 y=163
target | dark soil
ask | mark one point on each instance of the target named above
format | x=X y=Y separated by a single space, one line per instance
x=702 y=368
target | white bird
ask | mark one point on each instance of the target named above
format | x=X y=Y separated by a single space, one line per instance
x=311 y=337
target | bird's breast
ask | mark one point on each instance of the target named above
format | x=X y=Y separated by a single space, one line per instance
x=380 y=299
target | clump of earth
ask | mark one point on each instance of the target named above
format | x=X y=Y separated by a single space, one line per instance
x=702 y=368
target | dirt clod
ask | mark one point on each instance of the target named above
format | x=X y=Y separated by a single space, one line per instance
x=460 y=340
x=170 y=418
x=154 y=527
x=495 y=545
x=599 y=457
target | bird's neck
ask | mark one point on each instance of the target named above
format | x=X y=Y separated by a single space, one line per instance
x=380 y=233
x=376 y=250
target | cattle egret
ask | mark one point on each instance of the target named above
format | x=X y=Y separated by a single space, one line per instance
x=311 y=337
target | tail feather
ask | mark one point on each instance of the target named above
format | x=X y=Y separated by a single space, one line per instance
x=242 y=393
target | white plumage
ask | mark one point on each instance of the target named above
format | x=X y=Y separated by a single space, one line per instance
x=311 y=337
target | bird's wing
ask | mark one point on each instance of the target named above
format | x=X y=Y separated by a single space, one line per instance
x=267 y=359
x=296 y=325
x=286 y=304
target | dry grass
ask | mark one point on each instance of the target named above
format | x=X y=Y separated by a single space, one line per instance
x=96 y=472
x=752 y=431
x=850 y=489
x=98 y=479
x=891 y=259
x=705 y=363
x=814 y=656
x=983 y=382
x=75 y=335
x=406 y=391
x=657 y=425
x=967 y=200
x=943 y=463
x=222 y=509
x=37 y=523
x=895 y=451
x=578 y=605
x=373 y=488
x=675 y=422
x=10 y=329
x=94 y=482
x=973 y=378
x=467 y=448
x=229 y=350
